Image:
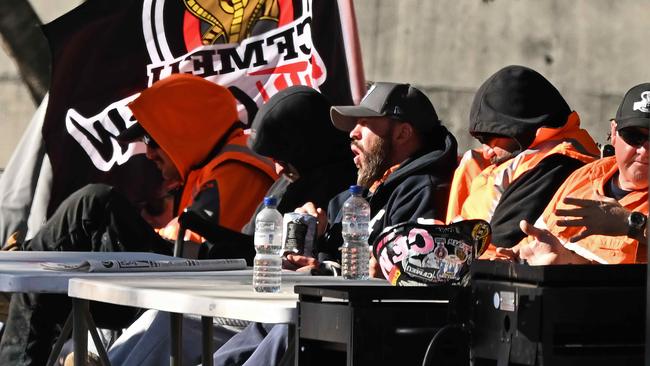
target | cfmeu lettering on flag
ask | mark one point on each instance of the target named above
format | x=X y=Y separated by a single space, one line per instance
x=252 y=70
x=287 y=44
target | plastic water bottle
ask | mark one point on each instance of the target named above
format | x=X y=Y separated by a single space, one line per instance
x=355 y=253
x=267 y=265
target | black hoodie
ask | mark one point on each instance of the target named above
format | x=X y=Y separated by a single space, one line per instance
x=419 y=188
x=294 y=126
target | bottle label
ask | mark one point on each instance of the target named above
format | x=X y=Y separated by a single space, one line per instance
x=351 y=226
x=265 y=226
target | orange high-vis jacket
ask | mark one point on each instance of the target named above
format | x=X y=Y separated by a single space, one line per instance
x=469 y=167
x=584 y=183
x=487 y=187
x=188 y=117
x=243 y=178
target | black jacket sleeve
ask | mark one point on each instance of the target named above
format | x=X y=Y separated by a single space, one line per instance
x=408 y=201
x=527 y=198
x=327 y=246
x=429 y=202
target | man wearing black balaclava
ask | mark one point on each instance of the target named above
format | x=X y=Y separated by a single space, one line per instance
x=531 y=141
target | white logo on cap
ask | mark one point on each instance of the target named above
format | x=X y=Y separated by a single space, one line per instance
x=644 y=104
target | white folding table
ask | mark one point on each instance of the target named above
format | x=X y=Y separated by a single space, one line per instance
x=21 y=271
x=222 y=295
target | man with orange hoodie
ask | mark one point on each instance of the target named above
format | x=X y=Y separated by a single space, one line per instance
x=192 y=134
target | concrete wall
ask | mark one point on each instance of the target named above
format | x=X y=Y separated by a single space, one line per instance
x=592 y=50
x=16 y=105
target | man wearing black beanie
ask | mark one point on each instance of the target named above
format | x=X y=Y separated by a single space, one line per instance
x=531 y=140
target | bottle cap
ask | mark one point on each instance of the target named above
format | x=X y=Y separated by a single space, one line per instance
x=356 y=189
x=270 y=201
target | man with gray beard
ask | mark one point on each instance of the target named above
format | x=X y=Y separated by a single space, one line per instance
x=405 y=159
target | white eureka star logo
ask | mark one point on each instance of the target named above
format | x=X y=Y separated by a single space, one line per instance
x=644 y=104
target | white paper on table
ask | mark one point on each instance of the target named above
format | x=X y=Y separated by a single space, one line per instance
x=176 y=265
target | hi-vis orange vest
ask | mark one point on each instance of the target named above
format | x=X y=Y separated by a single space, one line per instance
x=187 y=115
x=469 y=167
x=585 y=183
x=486 y=189
x=255 y=171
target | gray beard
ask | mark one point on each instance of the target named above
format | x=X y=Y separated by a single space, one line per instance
x=498 y=160
x=376 y=163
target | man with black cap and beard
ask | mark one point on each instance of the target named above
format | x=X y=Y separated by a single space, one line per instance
x=600 y=213
x=405 y=159
x=531 y=142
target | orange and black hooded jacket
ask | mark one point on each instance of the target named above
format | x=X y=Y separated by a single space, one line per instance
x=195 y=122
x=587 y=183
x=519 y=103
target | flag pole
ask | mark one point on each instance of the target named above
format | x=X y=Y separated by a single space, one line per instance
x=352 y=49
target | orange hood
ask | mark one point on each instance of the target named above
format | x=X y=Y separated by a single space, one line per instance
x=186 y=115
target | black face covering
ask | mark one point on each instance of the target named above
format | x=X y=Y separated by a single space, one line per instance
x=414 y=254
x=294 y=126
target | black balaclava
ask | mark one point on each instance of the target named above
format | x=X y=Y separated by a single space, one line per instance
x=294 y=126
x=515 y=102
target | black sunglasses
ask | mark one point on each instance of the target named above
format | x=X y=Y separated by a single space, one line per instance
x=633 y=136
x=149 y=141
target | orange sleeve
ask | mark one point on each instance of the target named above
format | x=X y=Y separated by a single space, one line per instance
x=241 y=189
x=471 y=165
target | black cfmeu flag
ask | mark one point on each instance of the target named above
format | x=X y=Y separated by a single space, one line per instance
x=107 y=51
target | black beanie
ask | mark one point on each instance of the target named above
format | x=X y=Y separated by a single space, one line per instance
x=515 y=102
x=294 y=126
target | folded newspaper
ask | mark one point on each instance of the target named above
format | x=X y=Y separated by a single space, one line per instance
x=174 y=265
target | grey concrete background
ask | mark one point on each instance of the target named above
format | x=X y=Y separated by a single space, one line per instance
x=16 y=105
x=592 y=50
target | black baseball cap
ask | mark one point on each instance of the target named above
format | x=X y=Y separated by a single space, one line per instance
x=634 y=110
x=401 y=102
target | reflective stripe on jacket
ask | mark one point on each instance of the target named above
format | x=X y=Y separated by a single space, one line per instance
x=247 y=173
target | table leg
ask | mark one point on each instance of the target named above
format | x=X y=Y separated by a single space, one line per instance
x=293 y=338
x=206 y=325
x=79 y=331
x=176 y=323
x=56 y=350
x=99 y=345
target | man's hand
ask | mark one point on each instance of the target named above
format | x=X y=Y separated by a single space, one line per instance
x=374 y=269
x=602 y=216
x=299 y=263
x=545 y=249
x=320 y=215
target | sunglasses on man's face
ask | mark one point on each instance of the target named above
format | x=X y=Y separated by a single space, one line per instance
x=149 y=141
x=634 y=137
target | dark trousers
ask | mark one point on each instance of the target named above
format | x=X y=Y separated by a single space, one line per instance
x=96 y=218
